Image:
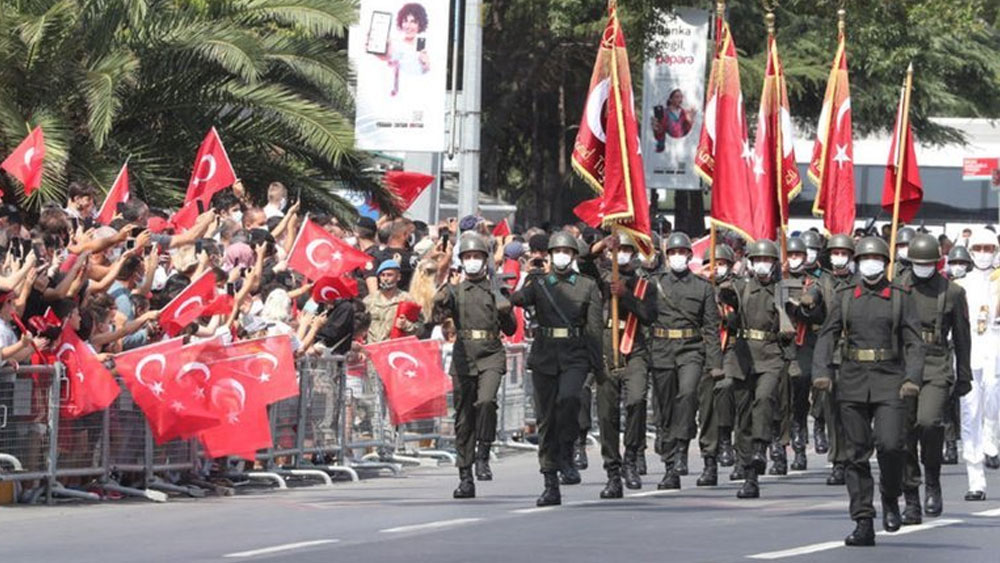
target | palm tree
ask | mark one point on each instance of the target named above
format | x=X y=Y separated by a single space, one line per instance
x=145 y=79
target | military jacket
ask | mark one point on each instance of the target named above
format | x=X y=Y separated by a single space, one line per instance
x=687 y=303
x=944 y=314
x=472 y=306
x=644 y=309
x=756 y=308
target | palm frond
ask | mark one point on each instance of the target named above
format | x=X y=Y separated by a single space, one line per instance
x=316 y=18
x=103 y=86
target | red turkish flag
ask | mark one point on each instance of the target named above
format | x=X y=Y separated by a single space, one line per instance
x=406 y=186
x=698 y=247
x=606 y=152
x=832 y=165
x=221 y=305
x=26 y=162
x=911 y=193
x=407 y=310
x=591 y=211
x=119 y=193
x=413 y=377
x=266 y=365
x=187 y=215
x=775 y=171
x=317 y=254
x=212 y=170
x=92 y=388
x=723 y=157
x=189 y=304
x=331 y=288
x=501 y=229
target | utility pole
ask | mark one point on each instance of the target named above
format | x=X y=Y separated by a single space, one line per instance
x=468 y=191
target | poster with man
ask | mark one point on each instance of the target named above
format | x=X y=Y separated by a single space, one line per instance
x=673 y=94
x=399 y=51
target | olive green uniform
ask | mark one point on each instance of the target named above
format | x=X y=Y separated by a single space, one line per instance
x=715 y=405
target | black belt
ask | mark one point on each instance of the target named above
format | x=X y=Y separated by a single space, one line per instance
x=559 y=332
x=871 y=354
x=754 y=334
x=928 y=337
x=675 y=333
x=473 y=334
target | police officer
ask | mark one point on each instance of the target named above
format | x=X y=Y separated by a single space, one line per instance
x=959 y=264
x=883 y=357
x=478 y=361
x=624 y=381
x=944 y=317
x=756 y=362
x=685 y=342
x=568 y=309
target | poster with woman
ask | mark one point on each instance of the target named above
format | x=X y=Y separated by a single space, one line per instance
x=399 y=51
x=674 y=90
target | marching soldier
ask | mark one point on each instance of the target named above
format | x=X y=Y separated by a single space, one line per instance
x=478 y=362
x=685 y=341
x=883 y=357
x=944 y=317
x=903 y=238
x=568 y=309
x=959 y=264
x=649 y=266
x=756 y=362
x=625 y=381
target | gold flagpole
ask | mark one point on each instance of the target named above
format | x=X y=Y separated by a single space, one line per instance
x=904 y=122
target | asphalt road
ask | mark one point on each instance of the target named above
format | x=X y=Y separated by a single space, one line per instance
x=413 y=518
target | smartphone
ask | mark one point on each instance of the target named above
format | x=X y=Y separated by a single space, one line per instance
x=444 y=237
x=15 y=247
x=377 y=42
x=136 y=232
x=298 y=194
x=200 y=205
x=130 y=244
x=198 y=246
x=231 y=289
x=658 y=112
x=421 y=44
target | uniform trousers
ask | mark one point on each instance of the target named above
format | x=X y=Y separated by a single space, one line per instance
x=755 y=398
x=475 y=400
x=980 y=405
x=614 y=387
x=557 y=409
x=868 y=426
x=925 y=432
x=676 y=391
x=715 y=411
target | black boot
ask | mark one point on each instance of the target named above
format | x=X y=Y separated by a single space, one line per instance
x=681 y=461
x=863 y=534
x=710 y=474
x=799 y=463
x=550 y=496
x=466 y=485
x=580 y=454
x=836 y=477
x=780 y=457
x=820 y=442
x=726 y=456
x=568 y=474
x=912 y=513
x=630 y=472
x=483 y=471
x=992 y=462
x=798 y=437
x=640 y=461
x=891 y=519
x=613 y=488
x=671 y=480
x=950 y=453
x=738 y=473
x=933 y=505
x=750 y=488
x=759 y=458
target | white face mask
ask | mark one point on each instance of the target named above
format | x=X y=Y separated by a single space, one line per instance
x=871 y=267
x=472 y=266
x=795 y=263
x=839 y=261
x=761 y=269
x=958 y=270
x=353 y=241
x=982 y=260
x=560 y=260
x=923 y=271
x=852 y=267
x=903 y=252
x=624 y=258
x=678 y=262
x=237 y=216
x=811 y=255
x=721 y=271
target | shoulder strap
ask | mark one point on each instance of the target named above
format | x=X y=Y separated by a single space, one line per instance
x=942 y=304
x=552 y=301
x=670 y=302
x=896 y=300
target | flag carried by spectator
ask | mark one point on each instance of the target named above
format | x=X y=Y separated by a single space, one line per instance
x=832 y=165
x=92 y=388
x=26 y=162
x=406 y=186
x=331 y=288
x=185 y=217
x=407 y=310
x=501 y=229
x=119 y=193
x=907 y=189
x=221 y=305
x=414 y=379
x=317 y=254
x=212 y=170
x=189 y=304
x=606 y=152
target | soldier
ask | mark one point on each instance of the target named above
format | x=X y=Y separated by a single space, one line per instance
x=903 y=238
x=883 y=359
x=478 y=361
x=756 y=362
x=715 y=404
x=685 y=341
x=815 y=245
x=567 y=346
x=649 y=266
x=959 y=263
x=624 y=381
x=944 y=317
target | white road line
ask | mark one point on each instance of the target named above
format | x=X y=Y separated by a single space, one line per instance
x=988 y=513
x=430 y=525
x=652 y=493
x=826 y=546
x=279 y=548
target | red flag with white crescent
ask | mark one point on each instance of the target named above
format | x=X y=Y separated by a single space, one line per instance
x=119 y=193
x=212 y=170
x=26 y=162
x=317 y=254
x=413 y=377
x=92 y=388
x=189 y=304
x=331 y=288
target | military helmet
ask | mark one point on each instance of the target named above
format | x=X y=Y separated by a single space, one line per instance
x=796 y=244
x=678 y=240
x=959 y=254
x=812 y=239
x=625 y=240
x=872 y=245
x=656 y=242
x=563 y=239
x=841 y=242
x=764 y=248
x=471 y=242
x=905 y=235
x=924 y=249
x=722 y=252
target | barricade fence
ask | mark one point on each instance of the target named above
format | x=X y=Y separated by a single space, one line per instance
x=338 y=426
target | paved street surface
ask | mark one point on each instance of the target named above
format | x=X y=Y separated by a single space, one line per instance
x=413 y=519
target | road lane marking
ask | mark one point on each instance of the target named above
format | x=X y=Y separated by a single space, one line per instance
x=280 y=548
x=430 y=525
x=826 y=546
x=988 y=513
x=653 y=493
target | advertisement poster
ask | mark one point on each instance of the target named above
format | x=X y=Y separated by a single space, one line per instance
x=399 y=52
x=673 y=95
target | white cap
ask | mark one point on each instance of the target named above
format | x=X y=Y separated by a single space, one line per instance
x=983 y=237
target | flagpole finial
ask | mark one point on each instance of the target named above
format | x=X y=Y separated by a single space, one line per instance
x=841 y=19
x=769 y=22
x=909 y=69
x=720 y=8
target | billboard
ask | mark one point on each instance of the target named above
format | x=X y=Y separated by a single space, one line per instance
x=399 y=52
x=673 y=94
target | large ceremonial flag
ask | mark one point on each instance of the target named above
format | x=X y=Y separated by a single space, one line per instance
x=724 y=156
x=606 y=152
x=832 y=166
x=903 y=156
x=775 y=172
x=25 y=163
